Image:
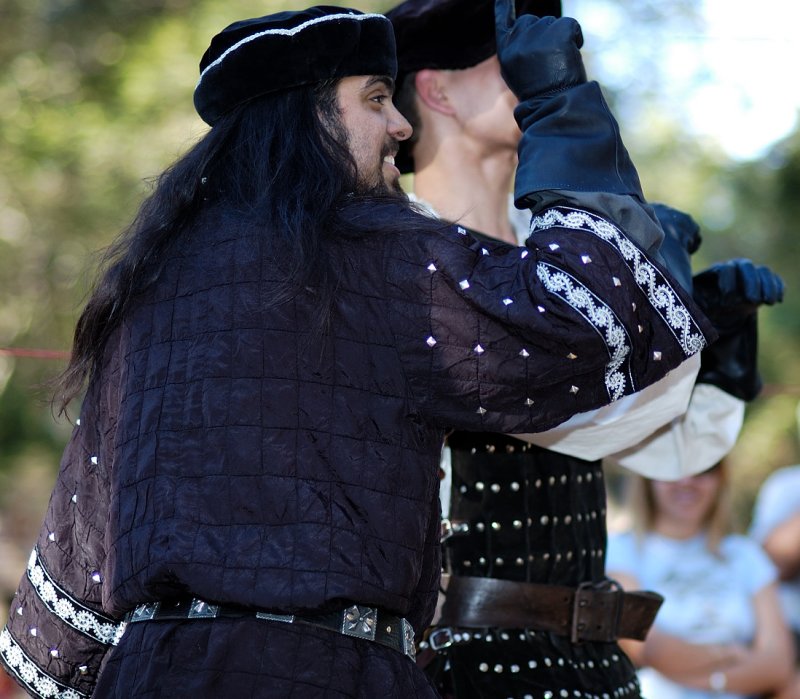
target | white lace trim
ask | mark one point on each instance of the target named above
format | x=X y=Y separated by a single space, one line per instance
x=599 y=315
x=89 y=622
x=37 y=682
x=649 y=279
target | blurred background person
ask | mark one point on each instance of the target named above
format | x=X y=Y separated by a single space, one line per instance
x=720 y=631
x=776 y=525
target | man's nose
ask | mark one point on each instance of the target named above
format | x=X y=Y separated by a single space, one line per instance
x=399 y=127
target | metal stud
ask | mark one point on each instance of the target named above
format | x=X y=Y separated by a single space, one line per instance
x=524 y=354
x=431 y=267
x=479 y=486
x=586 y=259
x=431 y=341
x=524 y=254
x=573 y=390
x=54 y=653
x=616 y=281
x=481 y=411
x=484 y=251
x=461 y=230
x=495 y=487
x=572 y=355
x=507 y=301
x=540 y=309
x=51 y=536
x=96 y=577
x=94 y=460
x=657 y=356
x=554 y=246
x=464 y=284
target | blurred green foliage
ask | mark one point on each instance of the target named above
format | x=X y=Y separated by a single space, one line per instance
x=96 y=99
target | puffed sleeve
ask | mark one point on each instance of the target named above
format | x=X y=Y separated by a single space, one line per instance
x=500 y=338
x=58 y=633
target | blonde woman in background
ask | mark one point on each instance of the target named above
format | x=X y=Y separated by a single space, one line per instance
x=720 y=631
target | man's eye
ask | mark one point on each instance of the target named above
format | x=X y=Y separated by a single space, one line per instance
x=380 y=99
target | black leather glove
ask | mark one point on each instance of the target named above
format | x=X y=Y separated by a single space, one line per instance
x=729 y=293
x=570 y=140
x=681 y=240
x=538 y=56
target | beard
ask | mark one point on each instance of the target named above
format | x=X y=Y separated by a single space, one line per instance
x=376 y=185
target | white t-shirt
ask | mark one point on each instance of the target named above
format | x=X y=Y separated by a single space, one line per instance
x=707 y=599
x=778 y=499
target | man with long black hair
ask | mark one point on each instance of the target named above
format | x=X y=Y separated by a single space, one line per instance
x=248 y=505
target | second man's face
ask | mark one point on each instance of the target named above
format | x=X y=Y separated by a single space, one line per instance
x=373 y=127
x=484 y=104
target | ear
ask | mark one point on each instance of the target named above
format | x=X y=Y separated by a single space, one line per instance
x=432 y=91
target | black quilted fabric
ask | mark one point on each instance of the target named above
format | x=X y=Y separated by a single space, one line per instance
x=226 y=452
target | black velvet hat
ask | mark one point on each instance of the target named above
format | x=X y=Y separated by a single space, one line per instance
x=256 y=56
x=449 y=35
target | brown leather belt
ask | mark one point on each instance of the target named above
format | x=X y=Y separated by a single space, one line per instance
x=590 y=612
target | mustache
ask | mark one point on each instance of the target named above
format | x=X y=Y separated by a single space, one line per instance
x=390 y=147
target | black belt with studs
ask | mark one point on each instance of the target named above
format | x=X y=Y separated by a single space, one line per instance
x=358 y=621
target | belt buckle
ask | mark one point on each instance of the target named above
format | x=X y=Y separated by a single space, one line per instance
x=588 y=608
x=441 y=638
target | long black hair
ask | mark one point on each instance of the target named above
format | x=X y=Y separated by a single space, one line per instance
x=281 y=162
